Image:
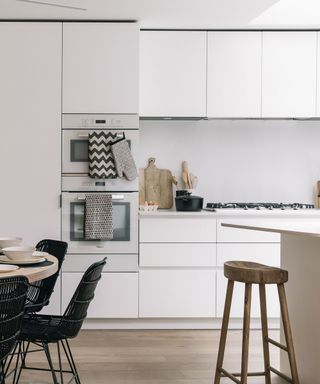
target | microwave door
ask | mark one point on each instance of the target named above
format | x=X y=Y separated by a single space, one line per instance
x=75 y=149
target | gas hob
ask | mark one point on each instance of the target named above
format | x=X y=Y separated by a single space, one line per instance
x=258 y=206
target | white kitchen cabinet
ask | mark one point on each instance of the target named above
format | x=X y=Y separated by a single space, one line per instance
x=289 y=74
x=260 y=253
x=54 y=306
x=235 y=235
x=234 y=74
x=100 y=67
x=177 y=255
x=177 y=262
x=116 y=295
x=30 y=154
x=177 y=293
x=173 y=73
x=178 y=230
x=318 y=76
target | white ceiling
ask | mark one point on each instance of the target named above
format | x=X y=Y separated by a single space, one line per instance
x=175 y=14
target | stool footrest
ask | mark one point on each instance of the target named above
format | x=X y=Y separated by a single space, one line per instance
x=233 y=376
x=280 y=374
x=281 y=346
x=229 y=375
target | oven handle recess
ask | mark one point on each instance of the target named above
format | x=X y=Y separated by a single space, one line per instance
x=85 y=136
x=114 y=197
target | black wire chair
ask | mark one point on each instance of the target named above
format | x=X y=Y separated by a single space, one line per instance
x=39 y=293
x=13 y=293
x=41 y=330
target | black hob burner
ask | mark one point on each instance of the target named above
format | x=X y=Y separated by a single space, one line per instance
x=258 y=206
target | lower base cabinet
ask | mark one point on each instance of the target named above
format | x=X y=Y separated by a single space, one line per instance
x=177 y=293
x=116 y=295
x=53 y=308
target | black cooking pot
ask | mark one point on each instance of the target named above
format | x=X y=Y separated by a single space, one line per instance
x=188 y=202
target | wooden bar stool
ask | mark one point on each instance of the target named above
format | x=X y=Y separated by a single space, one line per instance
x=254 y=273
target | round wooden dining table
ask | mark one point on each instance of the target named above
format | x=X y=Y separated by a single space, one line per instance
x=35 y=272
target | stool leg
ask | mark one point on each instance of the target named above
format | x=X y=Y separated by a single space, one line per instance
x=245 y=335
x=288 y=333
x=224 y=330
x=265 y=336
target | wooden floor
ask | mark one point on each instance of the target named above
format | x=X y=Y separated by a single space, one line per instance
x=155 y=357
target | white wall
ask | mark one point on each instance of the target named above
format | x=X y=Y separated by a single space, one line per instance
x=240 y=160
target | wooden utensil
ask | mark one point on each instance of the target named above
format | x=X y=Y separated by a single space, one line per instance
x=155 y=185
x=318 y=194
x=186 y=175
x=192 y=178
x=185 y=180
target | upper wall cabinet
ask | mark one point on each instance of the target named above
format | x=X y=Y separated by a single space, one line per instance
x=234 y=74
x=173 y=73
x=100 y=67
x=289 y=74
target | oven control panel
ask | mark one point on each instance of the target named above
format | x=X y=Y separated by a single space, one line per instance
x=84 y=121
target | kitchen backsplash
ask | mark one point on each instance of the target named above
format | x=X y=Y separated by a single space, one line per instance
x=239 y=160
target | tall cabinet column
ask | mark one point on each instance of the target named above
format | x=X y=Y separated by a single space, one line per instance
x=30 y=105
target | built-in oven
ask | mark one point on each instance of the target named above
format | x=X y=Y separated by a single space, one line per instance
x=75 y=143
x=124 y=218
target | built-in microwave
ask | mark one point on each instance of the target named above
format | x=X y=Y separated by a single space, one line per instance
x=75 y=143
x=125 y=224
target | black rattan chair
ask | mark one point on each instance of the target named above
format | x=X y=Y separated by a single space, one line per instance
x=13 y=292
x=41 y=330
x=39 y=293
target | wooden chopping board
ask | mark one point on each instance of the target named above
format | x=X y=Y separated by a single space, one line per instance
x=155 y=185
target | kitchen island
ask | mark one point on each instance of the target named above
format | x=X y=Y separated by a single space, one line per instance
x=300 y=255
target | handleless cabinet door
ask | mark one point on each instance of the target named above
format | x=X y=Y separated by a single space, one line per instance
x=116 y=295
x=259 y=253
x=100 y=67
x=30 y=155
x=318 y=75
x=234 y=74
x=289 y=74
x=172 y=73
x=177 y=293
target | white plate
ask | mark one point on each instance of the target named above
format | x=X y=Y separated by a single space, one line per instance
x=8 y=268
x=33 y=260
x=39 y=254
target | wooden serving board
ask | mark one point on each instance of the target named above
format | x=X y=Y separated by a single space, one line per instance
x=155 y=185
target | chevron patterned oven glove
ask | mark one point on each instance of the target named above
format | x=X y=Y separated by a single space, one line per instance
x=123 y=159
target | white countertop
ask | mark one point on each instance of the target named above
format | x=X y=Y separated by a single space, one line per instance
x=235 y=213
x=307 y=226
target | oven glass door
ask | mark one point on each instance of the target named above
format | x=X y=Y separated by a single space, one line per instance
x=75 y=151
x=120 y=219
x=125 y=224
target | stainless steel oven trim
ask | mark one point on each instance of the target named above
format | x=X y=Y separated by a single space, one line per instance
x=114 y=197
x=116 y=247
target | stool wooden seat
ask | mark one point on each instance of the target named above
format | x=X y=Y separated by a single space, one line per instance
x=254 y=273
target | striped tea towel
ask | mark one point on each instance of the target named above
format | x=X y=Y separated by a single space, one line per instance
x=101 y=162
x=98 y=216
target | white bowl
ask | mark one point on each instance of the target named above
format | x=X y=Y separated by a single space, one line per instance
x=9 y=241
x=18 y=253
